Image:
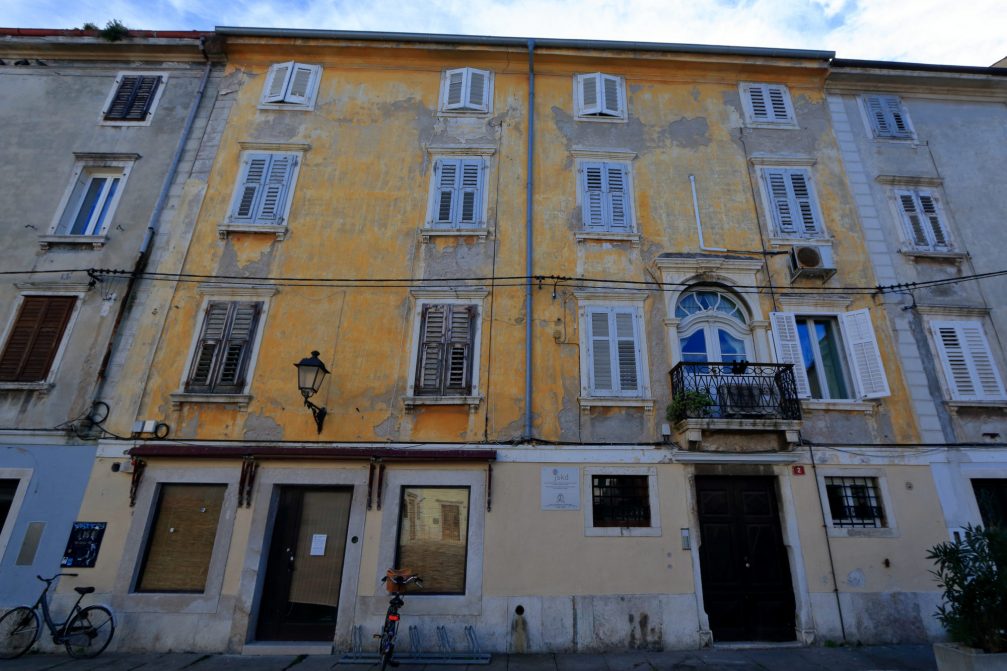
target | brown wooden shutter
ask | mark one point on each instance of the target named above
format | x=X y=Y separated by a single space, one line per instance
x=430 y=366
x=458 y=363
x=444 y=367
x=133 y=98
x=221 y=357
x=231 y=378
x=35 y=338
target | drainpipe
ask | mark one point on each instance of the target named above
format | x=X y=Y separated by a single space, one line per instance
x=529 y=265
x=699 y=224
x=152 y=225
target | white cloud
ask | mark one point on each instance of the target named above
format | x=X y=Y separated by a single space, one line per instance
x=936 y=31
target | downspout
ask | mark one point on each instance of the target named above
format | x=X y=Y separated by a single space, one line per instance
x=148 y=239
x=529 y=256
x=699 y=224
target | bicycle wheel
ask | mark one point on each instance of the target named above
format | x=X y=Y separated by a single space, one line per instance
x=386 y=656
x=89 y=632
x=18 y=630
x=386 y=648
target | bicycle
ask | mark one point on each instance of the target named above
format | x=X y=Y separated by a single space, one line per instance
x=85 y=632
x=396 y=582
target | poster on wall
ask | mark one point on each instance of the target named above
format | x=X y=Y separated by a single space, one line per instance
x=560 y=488
x=85 y=541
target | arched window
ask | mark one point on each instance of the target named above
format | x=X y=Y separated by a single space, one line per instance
x=714 y=326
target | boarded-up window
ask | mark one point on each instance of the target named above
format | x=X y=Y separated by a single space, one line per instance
x=433 y=536
x=180 y=542
x=35 y=338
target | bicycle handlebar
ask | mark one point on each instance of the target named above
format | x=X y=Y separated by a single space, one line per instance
x=58 y=575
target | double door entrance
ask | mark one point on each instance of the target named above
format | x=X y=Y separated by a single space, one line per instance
x=304 y=568
x=747 y=588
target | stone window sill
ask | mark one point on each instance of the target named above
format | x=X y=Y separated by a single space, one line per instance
x=599 y=236
x=472 y=402
x=26 y=386
x=977 y=405
x=240 y=400
x=428 y=232
x=588 y=402
x=94 y=241
x=850 y=532
x=928 y=255
x=622 y=531
x=867 y=407
x=279 y=230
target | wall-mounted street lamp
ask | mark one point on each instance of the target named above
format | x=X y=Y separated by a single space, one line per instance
x=310 y=373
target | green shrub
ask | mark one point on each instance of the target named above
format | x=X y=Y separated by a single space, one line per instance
x=972 y=573
x=689 y=404
x=114 y=31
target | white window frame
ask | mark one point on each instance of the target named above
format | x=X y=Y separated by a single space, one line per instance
x=433 y=227
x=587 y=495
x=858 y=362
x=606 y=230
x=286 y=100
x=891 y=528
x=115 y=89
x=221 y=292
x=464 y=109
x=53 y=289
x=942 y=219
x=869 y=121
x=772 y=215
x=469 y=603
x=446 y=296
x=87 y=166
x=951 y=390
x=281 y=227
x=633 y=302
x=788 y=121
x=600 y=112
x=23 y=476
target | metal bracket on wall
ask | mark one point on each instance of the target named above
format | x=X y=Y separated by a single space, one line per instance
x=249 y=467
x=381 y=482
x=370 y=484
x=134 y=484
x=489 y=486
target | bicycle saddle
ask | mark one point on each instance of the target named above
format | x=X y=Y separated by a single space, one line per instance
x=83 y=590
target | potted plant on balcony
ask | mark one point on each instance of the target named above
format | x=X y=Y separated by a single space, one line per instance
x=972 y=574
x=689 y=404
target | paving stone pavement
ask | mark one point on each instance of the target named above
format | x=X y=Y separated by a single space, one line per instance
x=853 y=658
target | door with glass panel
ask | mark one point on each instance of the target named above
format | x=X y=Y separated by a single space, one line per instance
x=304 y=569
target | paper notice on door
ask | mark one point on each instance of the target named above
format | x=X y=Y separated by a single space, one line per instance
x=318 y=544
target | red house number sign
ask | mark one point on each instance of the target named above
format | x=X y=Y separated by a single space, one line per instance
x=798 y=470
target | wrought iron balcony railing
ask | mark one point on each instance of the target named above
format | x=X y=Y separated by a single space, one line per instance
x=731 y=390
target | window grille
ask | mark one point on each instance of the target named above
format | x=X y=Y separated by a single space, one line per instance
x=620 y=500
x=854 y=503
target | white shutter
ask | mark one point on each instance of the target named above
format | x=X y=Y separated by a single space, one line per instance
x=593 y=195
x=899 y=121
x=277 y=184
x=478 y=90
x=779 y=195
x=803 y=198
x=277 y=82
x=793 y=201
x=454 y=89
x=253 y=173
x=779 y=107
x=928 y=203
x=911 y=218
x=470 y=193
x=612 y=95
x=758 y=105
x=302 y=82
x=922 y=218
x=617 y=196
x=446 y=173
x=865 y=357
x=589 y=89
x=788 y=349
x=876 y=114
x=969 y=368
x=627 y=350
x=601 y=382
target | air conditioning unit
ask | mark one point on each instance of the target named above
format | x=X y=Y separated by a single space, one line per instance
x=745 y=400
x=812 y=261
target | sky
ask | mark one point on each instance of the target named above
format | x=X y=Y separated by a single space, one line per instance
x=962 y=32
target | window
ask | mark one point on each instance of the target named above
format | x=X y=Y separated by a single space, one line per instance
x=623 y=501
x=181 y=538
x=8 y=487
x=600 y=97
x=969 y=368
x=466 y=90
x=92 y=202
x=433 y=536
x=291 y=86
x=133 y=98
x=834 y=357
x=606 y=197
x=887 y=117
x=35 y=337
x=767 y=104
x=445 y=355
x=713 y=328
x=614 y=357
x=793 y=205
x=262 y=194
x=457 y=193
x=923 y=220
x=854 y=503
x=991 y=496
x=224 y=348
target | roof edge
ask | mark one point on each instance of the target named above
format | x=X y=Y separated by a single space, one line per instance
x=852 y=63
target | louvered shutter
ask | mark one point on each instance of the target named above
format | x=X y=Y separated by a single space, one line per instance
x=759 y=104
x=224 y=347
x=929 y=206
x=253 y=176
x=768 y=103
x=593 y=197
x=589 y=90
x=277 y=82
x=211 y=341
x=430 y=367
x=912 y=219
x=611 y=95
x=301 y=84
x=794 y=210
x=35 y=338
x=447 y=173
x=274 y=192
x=627 y=351
x=801 y=190
x=454 y=95
x=470 y=192
x=788 y=349
x=602 y=382
x=133 y=98
x=778 y=107
x=876 y=112
x=613 y=352
x=922 y=218
x=900 y=124
x=478 y=90
x=617 y=197
x=458 y=362
x=779 y=194
x=865 y=357
x=969 y=367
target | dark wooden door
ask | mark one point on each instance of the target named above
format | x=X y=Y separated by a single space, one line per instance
x=746 y=574
x=304 y=568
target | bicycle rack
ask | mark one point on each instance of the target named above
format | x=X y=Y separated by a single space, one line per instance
x=445 y=650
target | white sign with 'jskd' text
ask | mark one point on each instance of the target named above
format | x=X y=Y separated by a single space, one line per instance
x=560 y=488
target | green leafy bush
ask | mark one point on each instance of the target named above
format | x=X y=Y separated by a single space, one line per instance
x=972 y=573
x=689 y=404
x=114 y=31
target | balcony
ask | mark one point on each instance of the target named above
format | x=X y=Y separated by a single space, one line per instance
x=735 y=399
